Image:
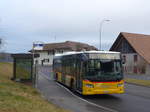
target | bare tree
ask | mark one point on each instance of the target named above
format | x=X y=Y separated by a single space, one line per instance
x=1 y=40
x=1 y=43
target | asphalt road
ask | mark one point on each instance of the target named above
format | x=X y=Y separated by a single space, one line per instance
x=136 y=98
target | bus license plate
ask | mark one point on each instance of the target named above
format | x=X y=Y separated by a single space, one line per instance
x=105 y=86
x=106 y=91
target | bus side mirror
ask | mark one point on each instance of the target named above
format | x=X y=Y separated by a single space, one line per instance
x=123 y=62
x=84 y=57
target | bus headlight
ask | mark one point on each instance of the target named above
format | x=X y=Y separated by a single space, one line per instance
x=89 y=85
x=120 y=85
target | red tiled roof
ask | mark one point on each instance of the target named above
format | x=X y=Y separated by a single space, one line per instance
x=140 y=43
x=68 y=45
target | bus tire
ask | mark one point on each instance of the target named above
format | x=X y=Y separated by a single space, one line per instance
x=56 y=77
x=71 y=84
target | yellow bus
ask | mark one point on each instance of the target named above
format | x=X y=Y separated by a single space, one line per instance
x=90 y=72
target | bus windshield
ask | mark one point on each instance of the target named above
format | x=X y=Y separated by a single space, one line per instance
x=103 y=70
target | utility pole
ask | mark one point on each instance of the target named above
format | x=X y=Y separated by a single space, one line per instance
x=37 y=45
x=100 y=32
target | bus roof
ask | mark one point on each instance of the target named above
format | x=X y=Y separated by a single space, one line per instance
x=95 y=52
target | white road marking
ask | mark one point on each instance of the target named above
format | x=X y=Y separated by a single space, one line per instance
x=99 y=106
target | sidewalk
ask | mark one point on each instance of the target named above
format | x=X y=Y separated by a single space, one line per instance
x=61 y=97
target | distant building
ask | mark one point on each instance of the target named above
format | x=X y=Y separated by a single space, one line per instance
x=135 y=49
x=5 y=57
x=49 y=50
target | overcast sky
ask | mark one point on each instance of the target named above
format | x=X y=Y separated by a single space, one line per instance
x=25 y=21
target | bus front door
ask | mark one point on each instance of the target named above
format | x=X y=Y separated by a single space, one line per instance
x=79 y=76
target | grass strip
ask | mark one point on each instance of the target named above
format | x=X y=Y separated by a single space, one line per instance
x=138 y=82
x=17 y=97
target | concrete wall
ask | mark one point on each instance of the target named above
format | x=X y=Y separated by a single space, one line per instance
x=135 y=67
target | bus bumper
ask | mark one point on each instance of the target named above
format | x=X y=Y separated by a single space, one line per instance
x=109 y=91
x=90 y=88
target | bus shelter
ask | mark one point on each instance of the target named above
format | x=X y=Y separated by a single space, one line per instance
x=23 y=69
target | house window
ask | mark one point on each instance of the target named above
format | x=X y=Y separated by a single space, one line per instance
x=135 y=69
x=143 y=70
x=36 y=61
x=53 y=52
x=61 y=51
x=46 y=60
x=135 y=58
x=49 y=52
x=124 y=59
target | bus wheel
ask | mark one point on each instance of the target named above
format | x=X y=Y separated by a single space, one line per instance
x=71 y=84
x=56 y=77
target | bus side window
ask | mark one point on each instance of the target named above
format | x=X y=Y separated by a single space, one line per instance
x=84 y=68
x=71 y=66
x=63 y=66
x=91 y=63
x=68 y=66
x=118 y=68
x=65 y=61
x=97 y=65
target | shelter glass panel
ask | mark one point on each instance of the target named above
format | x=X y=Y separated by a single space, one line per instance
x=23 y=68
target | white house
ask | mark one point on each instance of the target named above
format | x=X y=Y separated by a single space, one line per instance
x=48 y=51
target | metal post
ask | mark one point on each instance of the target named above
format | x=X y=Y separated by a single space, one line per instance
x=33 y=67
x=14 y=69
x=35 y=78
